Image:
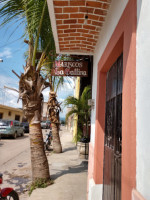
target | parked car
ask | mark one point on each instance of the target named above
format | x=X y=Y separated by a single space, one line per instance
x=48 y=124
x=45 y=124
x=25 y=126
x=11 y=128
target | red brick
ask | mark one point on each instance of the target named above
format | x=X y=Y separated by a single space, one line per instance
x=90 y=50
x=96 y=37
x=90 y=47
x=61 y=46
x=70 y=21
x=64 y=49
x=59 y=22
x=62 y=16
x=60 y=31
x=87 y=35
x=70 y=30
x=89 y=22
x=58 y=10
x=70 y=9
x=94 y=32
x=69 y=45
x=75 y=34
x=105 y=1
x=105 y=6
x=94 y=17
x=84 y=49
x=87 y=43
x=77 y=15
x=75 y=48
x=102 y=19
x=86 y=10
x=76 y=26
x=89 y=27
x=63 y=35
x=60 y=3
x=91 y=40
x=97 y=23
x=81 y=21
x=80 y=38
x=82 y=30
x=94 y=43
x=77 y=3
x=62 y=26
x=61 y=39
x=98 y=29
x=69 y=38
x=94 y=4
x=100 y=12
x=61 y=43
x=76 y=41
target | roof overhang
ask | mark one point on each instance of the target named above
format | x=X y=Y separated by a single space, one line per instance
x=76 y=24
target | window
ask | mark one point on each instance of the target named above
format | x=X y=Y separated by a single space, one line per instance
x=17 y=117
x=9 y=113
x=1 y=115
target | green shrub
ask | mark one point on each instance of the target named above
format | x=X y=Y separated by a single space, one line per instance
x=39 y=183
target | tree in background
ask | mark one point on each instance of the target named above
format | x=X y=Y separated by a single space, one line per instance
x=31 y=83
x=82 y=109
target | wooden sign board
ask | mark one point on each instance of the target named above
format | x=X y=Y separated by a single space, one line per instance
x=70 y=68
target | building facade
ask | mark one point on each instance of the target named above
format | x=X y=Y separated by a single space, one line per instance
x=117 y=34
x=11 y=113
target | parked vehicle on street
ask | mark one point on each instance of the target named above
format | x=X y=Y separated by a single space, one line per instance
x=11 y=128
x=25 y=126
x=45 y=124
x=7 y=193
x=48 y=140
x=48 y=124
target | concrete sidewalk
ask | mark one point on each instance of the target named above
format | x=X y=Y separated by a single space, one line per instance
x=68 y=172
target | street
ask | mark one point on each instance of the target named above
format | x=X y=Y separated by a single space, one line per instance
x=15 y=163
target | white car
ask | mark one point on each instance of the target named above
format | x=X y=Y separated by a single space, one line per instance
x=11 y=128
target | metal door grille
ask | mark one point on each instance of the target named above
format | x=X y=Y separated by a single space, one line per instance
x=113 y=133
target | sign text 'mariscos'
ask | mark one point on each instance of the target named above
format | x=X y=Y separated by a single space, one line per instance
x=70 y=68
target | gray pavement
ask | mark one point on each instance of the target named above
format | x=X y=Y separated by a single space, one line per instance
x=68 y=172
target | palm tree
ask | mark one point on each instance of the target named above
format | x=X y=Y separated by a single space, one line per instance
x=31 y=84
x=54 y=107
x=81 y=108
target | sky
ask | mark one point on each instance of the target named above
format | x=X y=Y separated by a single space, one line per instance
x=12 y=49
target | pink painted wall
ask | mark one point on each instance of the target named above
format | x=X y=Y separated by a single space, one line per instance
x=122 y=40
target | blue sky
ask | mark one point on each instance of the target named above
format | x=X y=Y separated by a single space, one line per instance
x=12 y=52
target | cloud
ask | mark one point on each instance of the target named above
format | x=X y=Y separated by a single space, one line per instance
x=6 y=53
x=9 y=97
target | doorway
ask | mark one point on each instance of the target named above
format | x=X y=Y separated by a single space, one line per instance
x=113 y=133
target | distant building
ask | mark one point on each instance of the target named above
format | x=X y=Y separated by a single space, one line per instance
x=44 y=115
x=70 y=120
x=7 y=112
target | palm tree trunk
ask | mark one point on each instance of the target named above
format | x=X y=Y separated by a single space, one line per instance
x=39 y=163
x=57 y=148
x=53 y=111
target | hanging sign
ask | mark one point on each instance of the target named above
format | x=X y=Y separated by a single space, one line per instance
x=70 y=68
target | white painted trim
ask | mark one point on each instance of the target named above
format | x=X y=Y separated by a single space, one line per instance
x=95 y=190
x=143 y=98
x=75 y=53
x=53 y=23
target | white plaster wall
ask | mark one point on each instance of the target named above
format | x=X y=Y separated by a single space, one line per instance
x=114 y=14
x=143 y=98
x=95 y=191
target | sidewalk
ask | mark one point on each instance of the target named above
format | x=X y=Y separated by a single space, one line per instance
x=68 y=172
